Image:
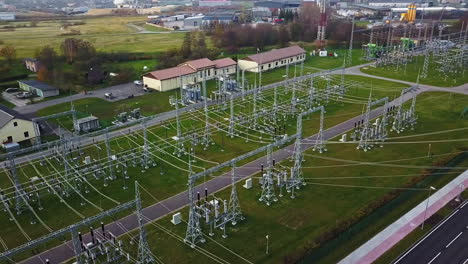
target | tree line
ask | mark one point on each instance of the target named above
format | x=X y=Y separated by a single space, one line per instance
x=193 y=47
x=302 y=26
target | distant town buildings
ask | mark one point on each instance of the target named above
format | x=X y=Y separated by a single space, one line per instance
x=272 y=59
x=7 y=16
x=213 y=3
x=190 y=72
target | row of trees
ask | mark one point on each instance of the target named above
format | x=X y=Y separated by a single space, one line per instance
x=303 y=27
x=193 y=47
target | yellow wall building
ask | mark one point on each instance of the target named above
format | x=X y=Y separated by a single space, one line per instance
x=189 y=72
x=15 y=127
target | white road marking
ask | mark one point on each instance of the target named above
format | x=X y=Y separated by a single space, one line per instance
x=463 y=205
x=417 y=244
x=466 y=261
x=453 y=240
x=434 y=258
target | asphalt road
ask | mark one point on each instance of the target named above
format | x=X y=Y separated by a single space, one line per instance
x=446 y=243
x=120 y=92
x=65 y=251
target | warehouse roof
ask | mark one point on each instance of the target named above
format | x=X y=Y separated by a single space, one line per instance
x=38 y=85
x=171 y=72
x=276 y=54
x=221 y=63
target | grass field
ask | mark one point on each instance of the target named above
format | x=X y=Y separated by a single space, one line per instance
x=108 y=34
x=434 y=77
x=330 y=198
x=164 y=186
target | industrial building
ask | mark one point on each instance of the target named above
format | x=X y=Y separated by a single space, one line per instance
x=273 y=59
x=87 y=124
x=4 y=16
x=15 y=127
x=38 y=88
x=212 y=3
x=188 y=73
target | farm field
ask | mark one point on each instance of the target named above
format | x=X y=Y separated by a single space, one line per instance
x=107 y=34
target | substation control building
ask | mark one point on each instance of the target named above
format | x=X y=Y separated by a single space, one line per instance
x=273 y=59
x=87 y=124
x=190 y=72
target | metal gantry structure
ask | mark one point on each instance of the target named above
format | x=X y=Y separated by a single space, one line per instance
x=100 y=243
x=269 y=107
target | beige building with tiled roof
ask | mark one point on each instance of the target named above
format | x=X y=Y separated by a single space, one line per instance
x=273 y=59
x=189 y=72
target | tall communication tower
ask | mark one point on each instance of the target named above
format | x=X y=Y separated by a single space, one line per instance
x=322 y=24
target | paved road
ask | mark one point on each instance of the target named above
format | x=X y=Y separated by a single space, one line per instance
x=161 y=209
x=120 y=92
x=445 y=243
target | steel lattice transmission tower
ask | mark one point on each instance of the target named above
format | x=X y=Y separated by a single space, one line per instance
x=268 y=189
x=322 y=23
x=194 y=233
x=144 y=252
x=319 y=142
x=366 y=129
x=235 y=213
x=296 y=172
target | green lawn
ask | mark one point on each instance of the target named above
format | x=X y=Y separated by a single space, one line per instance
x=294 y=224
x=434 y=77
x=173 y=181
x=155 y=28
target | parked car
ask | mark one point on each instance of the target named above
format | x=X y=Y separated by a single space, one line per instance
x=12 y=90
x=138 y=82
x=148 y=90
x=23 y=95
x=109 y=95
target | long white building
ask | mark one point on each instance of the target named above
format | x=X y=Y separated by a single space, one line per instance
x=272 y=59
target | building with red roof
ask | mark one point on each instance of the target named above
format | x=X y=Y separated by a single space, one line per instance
x=189 y=72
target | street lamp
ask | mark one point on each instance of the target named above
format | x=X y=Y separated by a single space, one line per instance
x=427 y=204
x=267 y=244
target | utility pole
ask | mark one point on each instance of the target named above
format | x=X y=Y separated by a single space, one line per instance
x=231 y=132
x=350 y=51
x=109 y=158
